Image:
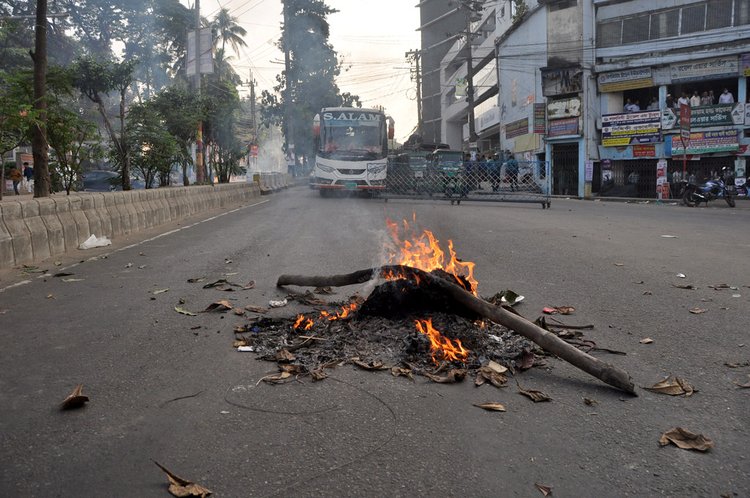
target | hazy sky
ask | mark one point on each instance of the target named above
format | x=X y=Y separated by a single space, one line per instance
x=371 y=35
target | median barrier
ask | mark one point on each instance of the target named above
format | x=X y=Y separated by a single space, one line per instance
x=32 y=230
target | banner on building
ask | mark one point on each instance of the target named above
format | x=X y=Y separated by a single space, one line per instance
x=628 y=79
x=560 y=81
x=517 y=128
x=714 y=115
x=705 y=142
x=707 y=68
x=564 y=108
x=619 y=130
x=563 y=127
x=745 y=65
x=540 y=118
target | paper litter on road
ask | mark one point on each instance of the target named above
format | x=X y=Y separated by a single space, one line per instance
x=94 y=241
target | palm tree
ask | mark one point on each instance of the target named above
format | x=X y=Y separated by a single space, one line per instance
x=227 y=30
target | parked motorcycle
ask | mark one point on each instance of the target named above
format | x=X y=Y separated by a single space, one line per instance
x=721 y=188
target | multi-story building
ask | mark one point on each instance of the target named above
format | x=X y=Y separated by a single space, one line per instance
x=566 y=69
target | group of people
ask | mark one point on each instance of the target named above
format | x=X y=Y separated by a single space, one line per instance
x=25 y=175
x=697 y=99
x=479 y=164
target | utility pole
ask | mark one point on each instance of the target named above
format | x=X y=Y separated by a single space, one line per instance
x=289 y=126
x=253 y=120
x=200 y=176
x=415 y=55
x=470 y=8
x=39 y=145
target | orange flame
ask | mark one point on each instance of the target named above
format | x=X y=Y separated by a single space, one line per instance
x=423 y=251
x=303 y=322
x=441 y=346
x=307 y=323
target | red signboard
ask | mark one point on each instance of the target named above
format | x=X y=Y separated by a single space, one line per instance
x=685 y=114
x=644 y=151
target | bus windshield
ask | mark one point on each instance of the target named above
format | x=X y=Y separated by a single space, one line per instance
x=352 y=139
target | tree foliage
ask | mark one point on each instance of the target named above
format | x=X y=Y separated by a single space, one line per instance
x=152 y=148
x=309 y=84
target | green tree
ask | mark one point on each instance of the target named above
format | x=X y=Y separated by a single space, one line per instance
x=96 y=80
x=74 y=141
x=153 y=150
x=180 y=110
x=309 y=84
x=17 y=114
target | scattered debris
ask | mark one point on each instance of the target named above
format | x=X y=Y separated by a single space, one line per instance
x=491 y=407
x=737 y=364
x=324 y=290
x=219 y=306
x=94 y=241
x=719 y=286
x=533 y=394
x=619 y=264
x=74 y=399
x=506 y=297
x=682 y=438
x=278 y=304
x=646 y=340
x=63 y=274
x=673 y=386
x=746 y=385
x=129 y=265
x=563 y=310
x=669 y=236
x=545 y=490
x=182 y=487
x=681 y=275
x=590 y=402
x=684 y=286
x=454 y=375
x=698 y=311
x=183 y=311
x=73 y=280
x=160 y=291
x=50 y=296
x=246 y=349
x=647 y=293
x=256 y=309
x=373 y=365
x=196 y=280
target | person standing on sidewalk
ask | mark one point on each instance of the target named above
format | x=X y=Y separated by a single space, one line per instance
x=16 y=177
x=511 y=169
x=28 y=174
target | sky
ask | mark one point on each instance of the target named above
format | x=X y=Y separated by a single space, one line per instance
x=372 y=36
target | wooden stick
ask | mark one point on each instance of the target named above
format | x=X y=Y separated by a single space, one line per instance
x=548 y=341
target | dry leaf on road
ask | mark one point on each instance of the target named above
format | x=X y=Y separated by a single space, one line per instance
x=221 y=305
x=683 y=438
x=674 y=386
x=402 y=372
x=373 y=365
x=454 y=375
x=74 y=399
x=698 y=311
x=546 y=490
x=533 y=394
x=646 y=340
x=183 y=311
x=182 y=487
x=746 y=385
x=256 y=309
x=491 y=407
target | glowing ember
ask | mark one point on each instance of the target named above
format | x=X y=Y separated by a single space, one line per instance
x=441 y=346
x=423 y=251
x=307 y=323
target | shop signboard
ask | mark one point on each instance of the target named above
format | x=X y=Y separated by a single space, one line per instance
x=619 y=130
x=685 y=116
x=627 y=79
x=562 y=127
x=560 y=81
x=703 y=69
x=517 y=128
x=714 y=115
x=540 y=118
x=644 y=151
x=705 y=142
x=745 y=65
x=564 y=108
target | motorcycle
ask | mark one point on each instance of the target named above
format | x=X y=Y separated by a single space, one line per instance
x=721 y=188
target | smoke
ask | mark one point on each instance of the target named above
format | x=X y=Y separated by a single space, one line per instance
x=271 y=157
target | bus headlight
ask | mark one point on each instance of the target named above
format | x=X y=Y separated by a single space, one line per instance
x=375 y=168
x=324 y=168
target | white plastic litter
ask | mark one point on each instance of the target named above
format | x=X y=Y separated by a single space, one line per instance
x=95 y=241
x=245 y=349
x=278 y=304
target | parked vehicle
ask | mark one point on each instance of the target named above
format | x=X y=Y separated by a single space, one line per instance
x=446 y=169
x=722 y=187
x=102 y=180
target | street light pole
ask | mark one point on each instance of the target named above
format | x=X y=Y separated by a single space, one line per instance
x=469 y=9
x=288 y=90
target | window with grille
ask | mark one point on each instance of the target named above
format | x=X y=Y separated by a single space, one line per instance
x=635 y=29
x=693 y=19
x=741 y=12
x=719 y=14
x=665 y=24
x=608 y=34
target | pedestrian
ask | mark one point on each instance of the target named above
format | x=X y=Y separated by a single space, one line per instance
x=705 y=99
x=16 y=176
x=653 y=105
x=683 y=100
x=669 y=102
x=511 y=170
x=726 y=97
x=28 y=174
x=695 y=100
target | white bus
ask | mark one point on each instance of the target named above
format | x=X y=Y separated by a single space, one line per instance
x=352 y=149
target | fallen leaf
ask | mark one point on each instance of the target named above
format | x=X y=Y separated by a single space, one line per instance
x=183 y=311
x=160 y=291
x=292 y=369
x=647 y=293
x=32 y=269
x=682 y=438
x=50 y=296
x=719 y=286
x=563 y=310
x=249 y=285
x=685 y=286
x=546 y=490
x=238 y=311
x=697 y=311
x=324 y=290
x=221 y=284
x=673 y=386
x=182 y=487
x=746 y=385
x=238 y=343
x=495 y=378
x=276 y=379
x=534 y=395
x=221 y=306
x=646 y=340
x=491 y=407
x=479 y=380
x=454 y=375
x=74 y=399
x=737 y=364
x=402 y=372
x=373 y=365
x=590 y=402
x=227 y=261
x=256 y=309
x=527 y=360
x=619 y=264
x=318 y=374
x=63 y=274
x=496 y=367
x=284 y=355
x=196 y=280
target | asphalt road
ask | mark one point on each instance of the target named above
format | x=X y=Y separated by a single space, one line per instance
x=162 y=389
